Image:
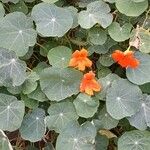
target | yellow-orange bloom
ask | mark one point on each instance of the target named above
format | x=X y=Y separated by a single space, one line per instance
x=125 y=59
x=89 y=84
x=79 y=60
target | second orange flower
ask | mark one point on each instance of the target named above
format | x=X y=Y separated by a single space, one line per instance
x=80 y=60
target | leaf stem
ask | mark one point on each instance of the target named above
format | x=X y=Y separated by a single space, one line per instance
x=144 y=23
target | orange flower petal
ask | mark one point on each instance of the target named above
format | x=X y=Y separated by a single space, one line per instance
x=79 y=60
x=89 y=84
x=125 y=59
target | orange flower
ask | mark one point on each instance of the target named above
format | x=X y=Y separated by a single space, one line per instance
x=125 y=59
x=89 y=84
x=79 y=60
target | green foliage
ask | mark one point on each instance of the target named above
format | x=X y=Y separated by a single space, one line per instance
x=46 y=103
x=11 y=112
x=134 y=140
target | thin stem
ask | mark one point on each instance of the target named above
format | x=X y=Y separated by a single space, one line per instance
x=29 y=69
x=68 y=41
x=41 y=46
x=128 y=49
x=145 y=18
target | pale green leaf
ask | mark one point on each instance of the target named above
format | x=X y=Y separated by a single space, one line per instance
x=59 y=56
x=123 y=99
x=97 y=36
x=17 y=33
x=51 y=20
x=76 y=137
x=131 y=8
x=38 y=95
x=97 y=12
x=141 y=74
x=106 y=120
x=59 y=84
x=11 y=112
x=119 y=33
x=33 y=125
x=85 y=105
x=141 y=120
x=30 y=83
x=134 y=140
x=106 y=83
x=60 y=114
x=12 y=70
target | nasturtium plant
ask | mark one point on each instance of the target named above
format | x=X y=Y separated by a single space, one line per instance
x=11 y=112
x=60 y=114
x=17 y=33
x=97 y=12
x=12 y=69
x=51 y=20
x=75 y=136
x=59 y=83
x=134 y=140
x=33 y=123
x=74 y=74
x=119 y=99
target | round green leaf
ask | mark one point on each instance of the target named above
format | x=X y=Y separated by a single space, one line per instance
x=38 y=95
x=12 y=70
x=17 y=33
x=102 y=49
x=106 y=83
x=131 y=8
x=59 y=84
x=97 y=36
x=51 y=20
x=74 y=13
x=11 y=112
x=20 y=7
x=30 y=103
x=118 y=33
x=141 y=74
x=33 y=125
x=141 y=119
x=30 y=83
x=59 y=56
x=76 y=137
x=60 y=114
x=97 y=12
x=106 y=60
x=134 y=140
x=106 y=120
x=123 y=99
x=85 y=105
